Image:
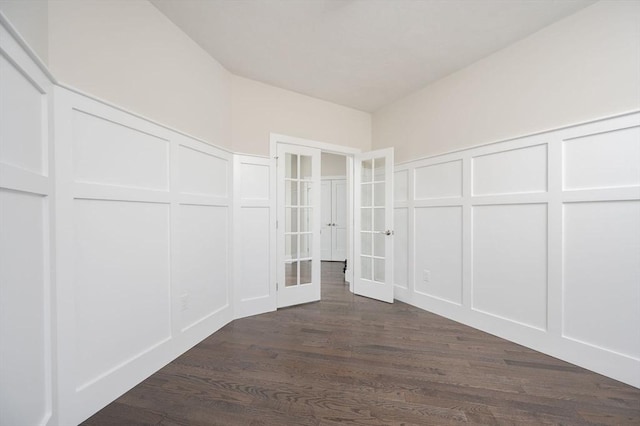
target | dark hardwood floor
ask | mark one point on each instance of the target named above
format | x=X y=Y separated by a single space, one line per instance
x=348 y=359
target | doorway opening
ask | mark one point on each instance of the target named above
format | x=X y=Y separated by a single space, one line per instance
x=356 y=233
x=333 y=208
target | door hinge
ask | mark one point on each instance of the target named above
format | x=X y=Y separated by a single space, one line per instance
x=276 y=224
x=277 y=286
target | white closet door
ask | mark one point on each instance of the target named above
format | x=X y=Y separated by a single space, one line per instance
x=326 y=229
x=339 y=214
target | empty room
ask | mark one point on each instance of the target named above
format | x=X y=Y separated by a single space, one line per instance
x=317 y=212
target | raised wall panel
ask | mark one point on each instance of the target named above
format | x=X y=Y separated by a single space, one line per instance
x=121 y=288
x=254 y=184
x=108 y=153
x=24 y=351
x=202 y=173
x=400 y=247
x=203 y=261
x=522 y=170
x=22 y=115
x=401 y=186
x=442 y=180
x=603 y=160
x=602 y=275
x=255 y=268
x=438 y=250
x=510 y=262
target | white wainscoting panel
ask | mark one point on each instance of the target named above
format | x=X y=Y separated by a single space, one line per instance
x=510 y=262
x=602 y=275
x=603 y=160
x=202 y=173
x=401 y=186
x=109 y=153
x=535 y=239
x=438 y=248
x=202 y=261
x=24 y=350
x=26 y=282
x=514 y=171
x=254 y=263
x=121 y=264
x=254 y=184
x=23 y=116
x=145 y=239
x=438 y=180
x=401 y=247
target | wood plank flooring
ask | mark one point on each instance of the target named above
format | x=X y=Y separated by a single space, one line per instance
x=349 y=359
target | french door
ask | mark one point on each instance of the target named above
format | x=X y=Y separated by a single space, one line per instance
x=373 y=219
x=298 y=226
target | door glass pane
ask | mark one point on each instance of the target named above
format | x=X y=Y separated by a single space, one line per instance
x=291 y=273
x=306 y=217
x=378 y=244
x=290 y=193
x=365 y=238
x=365 y=219
x=291 y=246
x=305 y=245
x=305 y=271
x=291 y=219
x=366 y=267
x=305 y=167
x=367 y=173
x=378 y=270
x=378 y=196
x=378 y=219
x=378 y=172
x=366 y=199
x=305 y=193
x=291 y=166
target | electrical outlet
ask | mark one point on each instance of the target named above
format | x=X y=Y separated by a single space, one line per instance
x=184 y=302
x=426 y=276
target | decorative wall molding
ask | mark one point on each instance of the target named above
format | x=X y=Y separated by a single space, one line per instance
x=546 y=252
x=144 y=248
x=26 y=217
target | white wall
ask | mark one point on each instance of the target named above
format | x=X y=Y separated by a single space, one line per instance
x=333 y=164
x=30 y=19
x=259 y=109
x=130 y=54
x=536 y=240
x=581 y=68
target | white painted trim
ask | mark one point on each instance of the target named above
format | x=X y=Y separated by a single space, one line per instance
x=140 y=116
x=322 y=146
x=515 y=138
x=4 y=22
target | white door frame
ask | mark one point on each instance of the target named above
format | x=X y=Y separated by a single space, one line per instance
x=274 y=139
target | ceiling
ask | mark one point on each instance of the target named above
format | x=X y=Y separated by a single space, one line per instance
x=359 y=53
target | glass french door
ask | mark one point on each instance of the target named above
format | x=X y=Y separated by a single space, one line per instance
x=373 y=219
x=298 y=233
